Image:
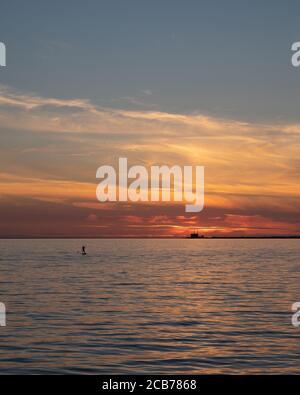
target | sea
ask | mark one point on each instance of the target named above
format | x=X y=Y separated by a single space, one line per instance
x=150 y=306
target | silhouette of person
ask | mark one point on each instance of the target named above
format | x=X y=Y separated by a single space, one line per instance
x=83 y=250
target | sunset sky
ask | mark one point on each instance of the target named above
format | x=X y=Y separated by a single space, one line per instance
x=161 y=83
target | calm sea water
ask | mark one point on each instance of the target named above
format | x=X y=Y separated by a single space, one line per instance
x=149 y=306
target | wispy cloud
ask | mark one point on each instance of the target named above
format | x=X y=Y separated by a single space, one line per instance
x=52 y=147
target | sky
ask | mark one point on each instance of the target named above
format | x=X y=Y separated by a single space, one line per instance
x=164 y=82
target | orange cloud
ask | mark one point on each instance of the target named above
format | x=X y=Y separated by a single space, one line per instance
x=56 y=145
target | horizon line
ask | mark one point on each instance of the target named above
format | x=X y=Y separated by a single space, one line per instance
x=16 y=237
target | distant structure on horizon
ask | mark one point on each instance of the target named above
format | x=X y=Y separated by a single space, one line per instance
x=195 y=235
